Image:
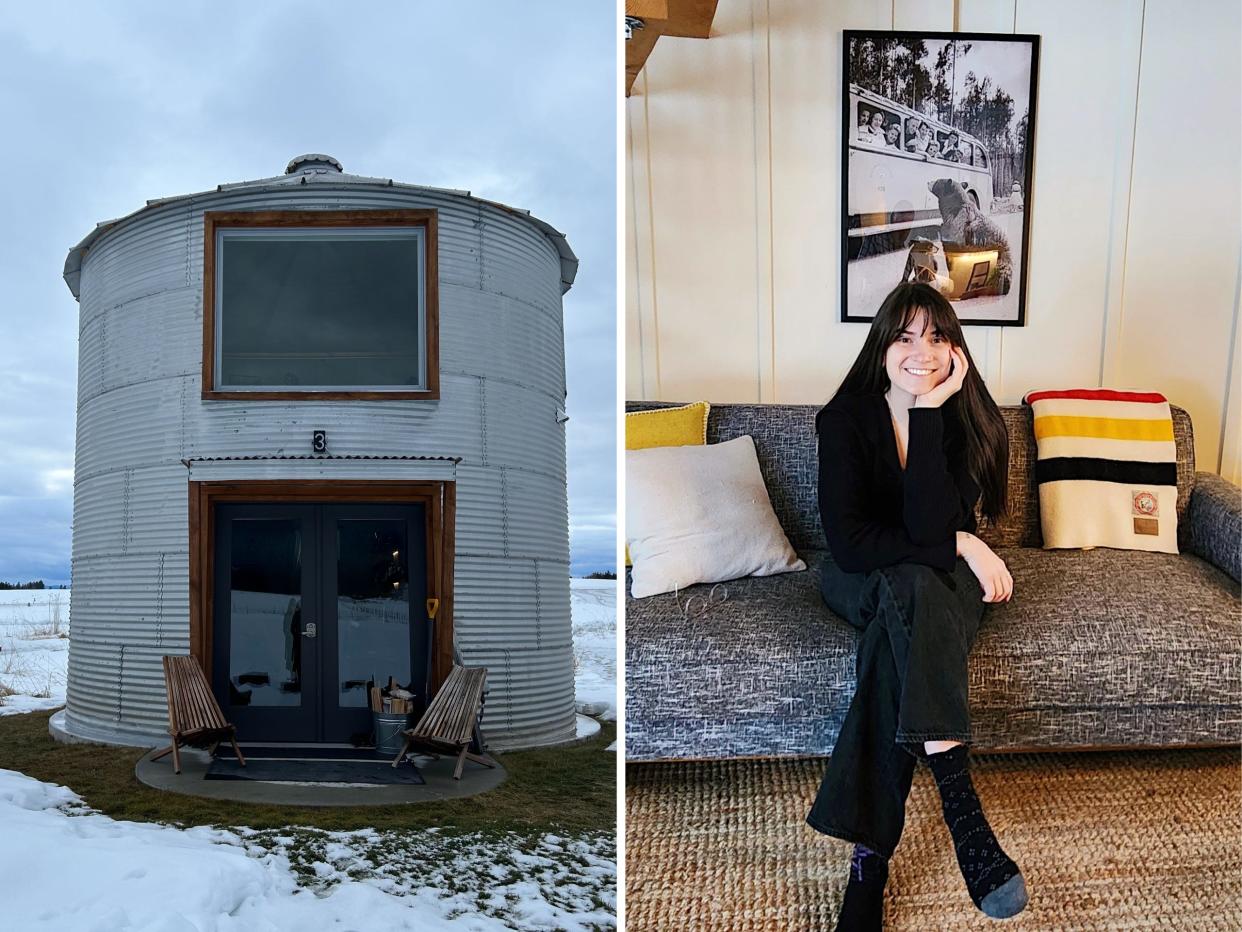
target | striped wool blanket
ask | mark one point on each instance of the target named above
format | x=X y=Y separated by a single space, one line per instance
x=1106 y=469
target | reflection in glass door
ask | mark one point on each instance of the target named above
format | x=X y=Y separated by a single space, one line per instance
x=374 y=600
x=312 y=603
x=264 y=658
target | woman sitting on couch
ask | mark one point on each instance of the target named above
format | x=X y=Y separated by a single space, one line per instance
x=907 y=445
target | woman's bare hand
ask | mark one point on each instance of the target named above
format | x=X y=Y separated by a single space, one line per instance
x=989 y=569
x=950 y=386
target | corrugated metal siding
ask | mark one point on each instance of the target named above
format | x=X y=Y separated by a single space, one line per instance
x=480 y=512
x=527 y=345
x=136 y=508
x=175 y=425
x=132 y=609
x=512 y=266
x=518 y=667
x=538 y=513
x=167 y=327
x=140 y=415
x=521 y=429
x=144 y=257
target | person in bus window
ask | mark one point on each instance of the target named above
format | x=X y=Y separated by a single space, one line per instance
x=877 y=128
x=913 y=127
x=933 y=149
x=909 y=444
x=951 y=152
x=892 y=135
x=922 y=140
x=864 y=123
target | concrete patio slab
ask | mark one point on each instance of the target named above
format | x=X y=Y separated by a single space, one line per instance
x=440 y=784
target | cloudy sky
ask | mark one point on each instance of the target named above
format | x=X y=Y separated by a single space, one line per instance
x=103 y=107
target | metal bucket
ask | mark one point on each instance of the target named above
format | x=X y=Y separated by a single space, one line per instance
x=389 y=726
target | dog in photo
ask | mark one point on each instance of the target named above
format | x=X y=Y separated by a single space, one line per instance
x=963 y=227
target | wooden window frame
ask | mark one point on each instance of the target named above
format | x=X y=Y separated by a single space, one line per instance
x=439 y=497
x=214 y=220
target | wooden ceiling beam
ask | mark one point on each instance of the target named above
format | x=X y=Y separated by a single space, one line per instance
x=647 y=9
x=686 y=19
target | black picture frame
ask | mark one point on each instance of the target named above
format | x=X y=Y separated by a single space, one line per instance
x=976 y=269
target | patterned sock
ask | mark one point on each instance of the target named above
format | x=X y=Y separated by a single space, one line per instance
x=863 y=908
x=993 y=880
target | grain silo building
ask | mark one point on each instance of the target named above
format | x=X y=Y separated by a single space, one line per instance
x=320 y=441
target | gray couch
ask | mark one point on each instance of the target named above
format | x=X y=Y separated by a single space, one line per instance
x=1098 y=648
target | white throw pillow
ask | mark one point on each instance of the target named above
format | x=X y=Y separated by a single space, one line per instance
x=700 y=514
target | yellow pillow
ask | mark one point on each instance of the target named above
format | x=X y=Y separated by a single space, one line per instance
x=685 y=426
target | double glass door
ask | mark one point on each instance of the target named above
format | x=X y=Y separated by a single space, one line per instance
x=311 y=603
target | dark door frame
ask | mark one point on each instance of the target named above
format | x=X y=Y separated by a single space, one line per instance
x=439 y=497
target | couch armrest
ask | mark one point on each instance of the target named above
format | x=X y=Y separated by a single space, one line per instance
x=1214 y=516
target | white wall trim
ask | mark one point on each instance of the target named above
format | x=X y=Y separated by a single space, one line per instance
x=765 y=358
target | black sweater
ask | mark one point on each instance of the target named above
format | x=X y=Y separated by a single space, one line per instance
x=874 y=514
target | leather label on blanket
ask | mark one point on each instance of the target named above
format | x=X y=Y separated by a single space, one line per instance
x=1149 y=526
x=1144 y=504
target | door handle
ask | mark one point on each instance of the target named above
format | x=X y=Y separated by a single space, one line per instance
x=309 y=631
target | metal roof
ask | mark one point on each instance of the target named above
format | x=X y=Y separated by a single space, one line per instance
x=324 y=170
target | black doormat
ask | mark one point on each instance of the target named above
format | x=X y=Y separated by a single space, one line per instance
x=313 y=752
x=271 y=769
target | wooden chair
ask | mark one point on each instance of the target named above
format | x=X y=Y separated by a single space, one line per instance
x=450 y=721
x=194 y=716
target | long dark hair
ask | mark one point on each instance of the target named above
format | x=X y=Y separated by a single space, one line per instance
x=987 y=439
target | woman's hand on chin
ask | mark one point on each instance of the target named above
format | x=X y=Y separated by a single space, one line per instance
x=950 y=386
x=989 y=569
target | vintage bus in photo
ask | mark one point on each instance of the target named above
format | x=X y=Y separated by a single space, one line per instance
x=894 y=154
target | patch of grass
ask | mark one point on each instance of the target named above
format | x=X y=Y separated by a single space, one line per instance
x=43 y=632
x=562 y=789
x=13 y=663
x=488 y=875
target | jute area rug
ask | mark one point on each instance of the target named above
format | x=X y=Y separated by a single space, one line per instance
x=1106 y=840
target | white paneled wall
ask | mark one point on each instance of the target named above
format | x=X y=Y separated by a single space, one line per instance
x=733 y=197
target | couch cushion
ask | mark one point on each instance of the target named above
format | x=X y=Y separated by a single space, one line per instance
x=1109 y=628
x=768 y=672
x=667 y=427
x=785 y=444
x=697 y=514
x=1097 y=648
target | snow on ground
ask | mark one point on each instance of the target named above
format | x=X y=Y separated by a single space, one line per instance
x=146 y=876
x=159 y=877
x=593 y=603
x=34 y=649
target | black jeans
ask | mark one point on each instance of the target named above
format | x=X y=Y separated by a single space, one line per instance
x=918 y=625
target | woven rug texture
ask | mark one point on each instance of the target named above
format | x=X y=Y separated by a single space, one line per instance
x=1106 y=840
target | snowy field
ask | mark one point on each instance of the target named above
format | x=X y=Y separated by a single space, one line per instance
x=145 y=876
x=34 y=649
x=593 y=603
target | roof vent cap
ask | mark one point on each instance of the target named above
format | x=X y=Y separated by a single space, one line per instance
x=312 y=161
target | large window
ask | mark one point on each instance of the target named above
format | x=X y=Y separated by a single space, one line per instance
x=320 y=304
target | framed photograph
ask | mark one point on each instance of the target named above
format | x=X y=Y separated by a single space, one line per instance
x=937 y=144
